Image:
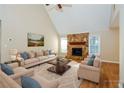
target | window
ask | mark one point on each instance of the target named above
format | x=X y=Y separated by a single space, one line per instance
x=94 y=45
x=63 y=44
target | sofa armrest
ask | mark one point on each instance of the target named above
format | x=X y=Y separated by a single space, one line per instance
x=7 y=82
x=86 y=67
x=29 y=72
x=13 y=65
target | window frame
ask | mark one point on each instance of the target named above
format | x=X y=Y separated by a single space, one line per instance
x=99 y=44
x=61 y=50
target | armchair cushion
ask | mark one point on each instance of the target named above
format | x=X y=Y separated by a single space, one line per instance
x=86 y=67
x=96 y=62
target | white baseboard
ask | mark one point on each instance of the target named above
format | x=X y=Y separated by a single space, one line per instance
x=120 y=85
x=108 y=61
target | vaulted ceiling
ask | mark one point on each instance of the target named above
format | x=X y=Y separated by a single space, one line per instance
x=80 y=18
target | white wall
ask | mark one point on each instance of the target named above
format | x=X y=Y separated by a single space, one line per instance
x=18 y=20
x=0 y=39
x=121 y=44
x=109 y=44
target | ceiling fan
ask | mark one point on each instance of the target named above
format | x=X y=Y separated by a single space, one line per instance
x=59 y=7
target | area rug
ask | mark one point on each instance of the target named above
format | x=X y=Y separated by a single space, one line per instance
x=68 y=80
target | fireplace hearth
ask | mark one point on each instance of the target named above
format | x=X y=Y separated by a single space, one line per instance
x=76 y=51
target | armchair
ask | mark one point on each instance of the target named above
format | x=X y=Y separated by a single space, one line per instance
x=91 y=73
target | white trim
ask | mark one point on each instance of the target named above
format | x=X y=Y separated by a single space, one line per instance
x=99 y=44
x=108 y=61
x=120 y=85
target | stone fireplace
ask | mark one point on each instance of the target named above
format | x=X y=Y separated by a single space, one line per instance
x=77 y=46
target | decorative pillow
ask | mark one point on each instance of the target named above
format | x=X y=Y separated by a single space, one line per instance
x=28 y=82
x=50 y=52
x=6 y=69
x=40 y=53
x=93 y=56
x=32 y=54
x=96 y=62
x=46 y=52
x=24 y=55
x=45 y=83
x=90 y=62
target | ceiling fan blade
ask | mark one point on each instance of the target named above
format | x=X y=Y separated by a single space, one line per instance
x=60 y=9
x=59 y=6
x=47 y=4
x=67 y=5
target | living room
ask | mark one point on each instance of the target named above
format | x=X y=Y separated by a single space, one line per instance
x=65 y=32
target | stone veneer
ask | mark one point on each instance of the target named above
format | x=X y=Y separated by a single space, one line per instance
x=77 y=41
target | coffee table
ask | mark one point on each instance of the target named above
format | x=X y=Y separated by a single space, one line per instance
x=59 y=68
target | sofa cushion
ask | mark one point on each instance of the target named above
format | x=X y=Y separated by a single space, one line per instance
x=42 y=58
x=19 y=69
x=51 y=56
x=7 y=69
x=45 y=83
x=28 y=82
x=32 y=54
x=24 y=55
x=46 y=52
x=31 y=60
x=39 y=53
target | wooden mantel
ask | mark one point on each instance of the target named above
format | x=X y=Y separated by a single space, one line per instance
x=77 y=43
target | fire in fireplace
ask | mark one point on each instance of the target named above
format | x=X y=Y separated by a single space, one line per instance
x=77 y=51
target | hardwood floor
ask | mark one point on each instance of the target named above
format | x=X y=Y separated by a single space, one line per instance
x=109 y=77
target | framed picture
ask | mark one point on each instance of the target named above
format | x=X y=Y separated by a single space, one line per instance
x=35 y=40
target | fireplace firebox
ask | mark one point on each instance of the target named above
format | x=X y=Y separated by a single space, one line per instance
x=76 y=51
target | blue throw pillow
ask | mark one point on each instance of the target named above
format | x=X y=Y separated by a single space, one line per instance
x=93 y=56
x=28 y=82
x=6 y=69
x=24 y=55
x=90 y=62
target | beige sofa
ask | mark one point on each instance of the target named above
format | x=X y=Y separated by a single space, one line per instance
x=91 y=73
x=37 y=58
